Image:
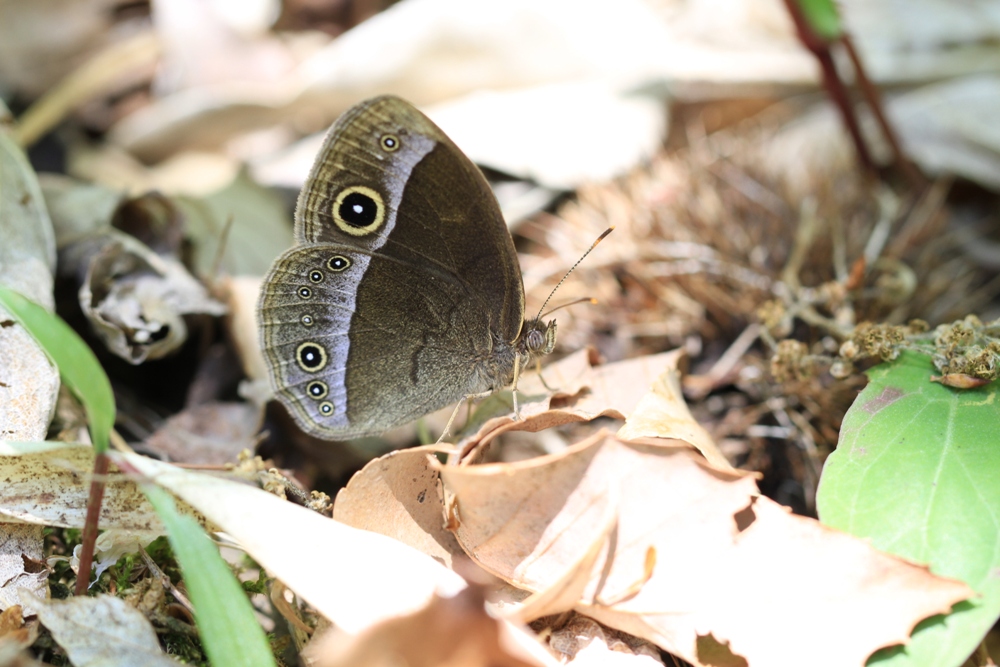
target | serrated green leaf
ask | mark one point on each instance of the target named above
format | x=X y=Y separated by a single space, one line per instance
x=917 y=471
x=79 y=368
x=823 y=17
x=229 y=631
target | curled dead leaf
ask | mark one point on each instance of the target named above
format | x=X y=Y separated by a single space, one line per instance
x=727 y=563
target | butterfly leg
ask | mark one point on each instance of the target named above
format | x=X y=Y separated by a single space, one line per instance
x=454 y=413
x=513 y=387
x=538 y=366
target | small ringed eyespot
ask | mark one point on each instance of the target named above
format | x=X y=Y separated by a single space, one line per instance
x=390 y=142
x=338 y=263
x=317 y=389
x=311 y=357
x=307 y=320
x=326 y=408
x=304 y=292
x=316 y=276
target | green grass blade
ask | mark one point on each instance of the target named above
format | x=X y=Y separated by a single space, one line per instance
x=230 y=634
x=822 y=17
x=78 y=366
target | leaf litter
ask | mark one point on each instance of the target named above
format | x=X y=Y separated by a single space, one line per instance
x=750 y=228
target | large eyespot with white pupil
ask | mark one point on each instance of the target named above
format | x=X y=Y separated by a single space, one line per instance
x=326 y=408
x=389 y=143
x=316 y=276
x=311 y=357
x=317 y=389
x=358 y=210
x=338 y=263
x=304 y=292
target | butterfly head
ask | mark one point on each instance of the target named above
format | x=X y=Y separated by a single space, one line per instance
x=538 y=339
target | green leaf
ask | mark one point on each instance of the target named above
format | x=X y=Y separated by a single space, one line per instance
x=229 y=631
x=78 y=366
x=822 y=17
x=917 y=471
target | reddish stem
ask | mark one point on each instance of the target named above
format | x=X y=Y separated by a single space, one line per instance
x=834 y=85
x=874 y=99
x=97 y=483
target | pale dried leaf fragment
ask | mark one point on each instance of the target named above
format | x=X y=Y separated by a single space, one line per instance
x=398 y=495
x=47 y=484
x=111 y=545
x=102 y=631
x=583 y=392
x=29 y=383
x=241 y=294
x=663 y=413
x=730 y=568
x=22 y=564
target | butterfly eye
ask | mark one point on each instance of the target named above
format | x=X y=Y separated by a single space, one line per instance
x=389 y=143
x=316 y=276
x=338 y=263
x=304 y=292
x=534 y=340
x=311 y=357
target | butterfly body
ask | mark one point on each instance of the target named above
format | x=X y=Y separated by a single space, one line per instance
x=403 y=293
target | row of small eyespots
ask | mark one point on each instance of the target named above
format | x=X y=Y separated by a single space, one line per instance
x=311 y=356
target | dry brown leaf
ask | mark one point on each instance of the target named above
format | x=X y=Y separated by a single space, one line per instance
x=15 y=634
x=583 y=392
x=663 y=413
x=448 y=632
x=22 y=564
x=211 y=433
x=586 y=642
x=398 y=495
x=730 y=568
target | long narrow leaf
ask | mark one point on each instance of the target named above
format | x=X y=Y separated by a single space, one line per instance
x=229 y=631
x=77 y=364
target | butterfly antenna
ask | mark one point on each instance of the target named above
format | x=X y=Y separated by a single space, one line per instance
x=587 y=299
x=582 y=257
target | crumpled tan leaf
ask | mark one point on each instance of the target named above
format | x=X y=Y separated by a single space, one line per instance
x=135 y=299
x=584 y=392
x=728 y=568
